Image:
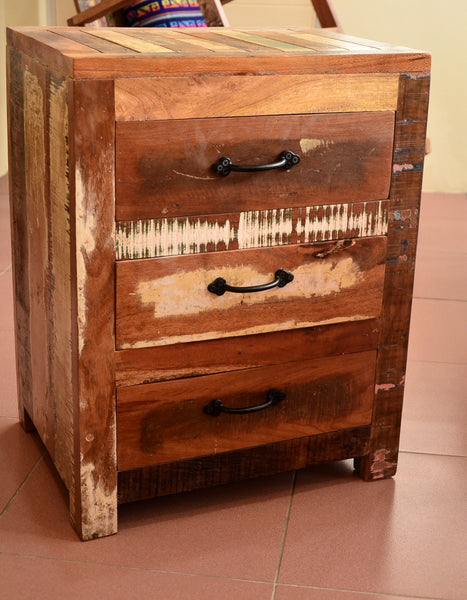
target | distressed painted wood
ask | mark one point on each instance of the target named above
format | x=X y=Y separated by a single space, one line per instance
x=163 y=363
x=163 y=422
x=41 y=251
x=411 y=116
x=166 y=301
x=345 y=224
x=254 y=229
x=164 y=169
x=96 y=473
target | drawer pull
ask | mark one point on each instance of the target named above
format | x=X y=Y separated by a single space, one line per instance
x=216 y=407
x=287 y=159
x=219 y=286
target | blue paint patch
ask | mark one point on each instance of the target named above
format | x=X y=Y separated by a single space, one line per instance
x=397 y=215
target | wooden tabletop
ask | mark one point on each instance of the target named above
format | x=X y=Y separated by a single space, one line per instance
x=124 y=52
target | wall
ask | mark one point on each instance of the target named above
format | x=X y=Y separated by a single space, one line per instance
x=414 y=23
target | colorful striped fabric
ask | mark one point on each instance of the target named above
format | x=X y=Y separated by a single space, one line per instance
x=165 y=13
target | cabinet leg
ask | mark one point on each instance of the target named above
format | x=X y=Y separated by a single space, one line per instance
x=25 y=420
x=380 y=464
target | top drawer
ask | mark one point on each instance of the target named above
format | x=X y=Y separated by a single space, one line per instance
x=164 y=168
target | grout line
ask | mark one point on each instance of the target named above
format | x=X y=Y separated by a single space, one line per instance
x=363 y=593
x=432 y=454
x=5 y=270
x=22 y=484
x=284 y=535
x=131 y=568
x=439 y=299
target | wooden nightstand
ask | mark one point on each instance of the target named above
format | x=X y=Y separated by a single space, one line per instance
x=214 y=237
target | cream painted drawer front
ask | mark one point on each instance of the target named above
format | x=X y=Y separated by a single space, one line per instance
x=164 y=168
x=166 y=300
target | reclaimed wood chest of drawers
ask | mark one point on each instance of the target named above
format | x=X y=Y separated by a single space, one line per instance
x=214 y=236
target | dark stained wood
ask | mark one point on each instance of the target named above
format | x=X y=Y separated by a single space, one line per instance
x=325 y=13
x=166 y=300
x=149 y=365
x=164 y=168
x=405 y=196
x=96 y=475
x=228 y=467
x=163 y=422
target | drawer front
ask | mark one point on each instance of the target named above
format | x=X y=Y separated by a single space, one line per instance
x=166 y=421
x=166 y=300
x=164 y=168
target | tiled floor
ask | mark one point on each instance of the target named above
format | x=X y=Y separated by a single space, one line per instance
x=321 y=534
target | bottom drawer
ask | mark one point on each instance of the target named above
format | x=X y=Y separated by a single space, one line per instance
x=170 y=421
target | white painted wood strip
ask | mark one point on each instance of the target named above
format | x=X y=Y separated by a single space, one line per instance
x=153 y=238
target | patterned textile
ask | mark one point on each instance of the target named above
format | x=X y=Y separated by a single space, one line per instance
x=165 y=13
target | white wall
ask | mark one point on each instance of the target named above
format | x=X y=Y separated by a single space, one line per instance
x=432 y=25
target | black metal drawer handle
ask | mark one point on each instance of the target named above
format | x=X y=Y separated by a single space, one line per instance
x=287 y=159
x=219 y=286
x=216 y=407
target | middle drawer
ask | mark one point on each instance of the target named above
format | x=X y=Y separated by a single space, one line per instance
x=166 y=300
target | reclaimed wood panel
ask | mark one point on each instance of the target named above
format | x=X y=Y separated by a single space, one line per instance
x=166 y=301
x=37 y=183
x=254 y=229
x=164 y=168
x=406 y=185
x=163 y=422
x=41 y=250
x=84 y=61
x=96 y=474
x=162 y=363
x=229 y=467
x=19 y=240
x=151 y=98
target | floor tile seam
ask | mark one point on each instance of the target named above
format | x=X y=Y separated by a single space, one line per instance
x=284 y=533
x=419 y=452
x=440 y=299
x=22 y=484
x=131 y=568
x=389 y=595
x=6 y=270
x=435 y=362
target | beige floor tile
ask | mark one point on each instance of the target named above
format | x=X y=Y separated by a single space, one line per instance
x=441 y=277
x=442 y=224
x=438 y=331
x=29 y=578
x=19 y=452
x=232 y=531
x=402 y=536
x=435 y=409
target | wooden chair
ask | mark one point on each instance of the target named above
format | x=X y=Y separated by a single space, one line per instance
x=108 y=12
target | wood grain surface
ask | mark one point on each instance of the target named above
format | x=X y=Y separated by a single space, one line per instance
x=164 y=169
x=158 y=98
x=163 y=422
x=166 y=301
x=162 y=363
